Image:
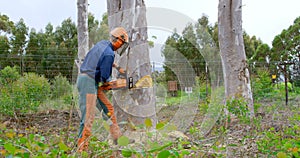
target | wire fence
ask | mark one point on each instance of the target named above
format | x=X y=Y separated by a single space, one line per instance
x=262 y=84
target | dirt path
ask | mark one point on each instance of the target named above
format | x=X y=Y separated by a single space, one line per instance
x=44 y=123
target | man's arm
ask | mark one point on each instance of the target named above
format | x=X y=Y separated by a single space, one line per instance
x=106 y=67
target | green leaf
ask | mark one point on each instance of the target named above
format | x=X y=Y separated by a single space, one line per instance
x=126 y=153
x=281 y=155
x=23 y=140
x=31 y=137
x=185 y=152
x=63 y=146
x=148 y=122
x=123 y=141
x=159 y=148
x=160 y=125
x=232 y=145
x=10 y=148
x=164 y=154
x=26 y=155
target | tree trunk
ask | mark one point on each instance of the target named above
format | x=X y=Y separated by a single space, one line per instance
x=236 y=73
x=133 y=105
x=82 y=30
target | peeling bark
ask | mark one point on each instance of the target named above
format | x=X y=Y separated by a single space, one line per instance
x=236 y=73
x=139 y=104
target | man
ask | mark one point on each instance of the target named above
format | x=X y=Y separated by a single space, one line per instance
x=96 y=69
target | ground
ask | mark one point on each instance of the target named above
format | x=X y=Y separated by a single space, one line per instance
x=241 y=138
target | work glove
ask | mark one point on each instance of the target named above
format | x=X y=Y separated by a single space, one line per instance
x=106 y=86
x=121 y=70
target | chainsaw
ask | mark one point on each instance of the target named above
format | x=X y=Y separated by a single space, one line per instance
x=124 y=82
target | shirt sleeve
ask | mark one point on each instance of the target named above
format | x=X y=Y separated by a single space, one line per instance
x=106 y=67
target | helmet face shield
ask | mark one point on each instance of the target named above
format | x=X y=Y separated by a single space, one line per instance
x=120 y=40
x=123 y=48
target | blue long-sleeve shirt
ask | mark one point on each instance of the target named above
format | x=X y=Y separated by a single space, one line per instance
x=98 y=61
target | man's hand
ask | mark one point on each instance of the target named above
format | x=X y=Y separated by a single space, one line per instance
x=106 y=86
x=121 y=71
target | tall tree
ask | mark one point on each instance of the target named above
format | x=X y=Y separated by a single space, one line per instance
x=98 y=31
x=18 y=41
x=5 y=24
x=4 y=51
x=171 y=59
x=237 y=77
x=286 y=50
x=93 y=27
x=6 y=27
x=82 y=29
x=140 y=104
x=66 y=40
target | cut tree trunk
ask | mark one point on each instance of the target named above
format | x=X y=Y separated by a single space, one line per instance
x=236 y=73
x=133 y=105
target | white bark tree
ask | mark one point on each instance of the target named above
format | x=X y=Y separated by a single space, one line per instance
x=134 y=105
x=236 y=73
x=82 y=30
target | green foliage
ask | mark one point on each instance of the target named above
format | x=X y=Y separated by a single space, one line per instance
x=281 y=86
x=25 y=94
x=237 y=107
x=9 y=75
x=272 y=142
x=5 y=48
x=49 y=53
x=262 y=84
x=202 y=85
x=286 y=49
x=60 y=87
x=123 y=141
x=5 y=24
x=32 y=145
x=97 y=30
x=36 y=86
x=174 y=100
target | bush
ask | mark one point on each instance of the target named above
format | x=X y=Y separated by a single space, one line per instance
x=281 y=86
x=60 y=87
x=262 y=84
x=25 y=94
x=8 y=75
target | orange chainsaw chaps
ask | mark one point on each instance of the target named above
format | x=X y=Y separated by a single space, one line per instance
x=89 y=119
x=106 y=102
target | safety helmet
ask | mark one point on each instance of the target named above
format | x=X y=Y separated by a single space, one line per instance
x=120 y=32
x=119 y=39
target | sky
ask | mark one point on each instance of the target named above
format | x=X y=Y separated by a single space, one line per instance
x=263 y=18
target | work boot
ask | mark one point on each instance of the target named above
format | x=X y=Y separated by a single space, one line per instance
x=83 y=143
x=115 y=132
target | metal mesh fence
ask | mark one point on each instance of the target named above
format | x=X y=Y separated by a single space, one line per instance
x=61 y=73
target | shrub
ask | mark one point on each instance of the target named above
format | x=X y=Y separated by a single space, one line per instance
x=262 y=84
x=25 y=94
x=8 y=75
x=60 y=87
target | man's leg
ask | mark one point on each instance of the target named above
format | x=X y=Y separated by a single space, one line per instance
x=114 y=128
x=87 y=102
